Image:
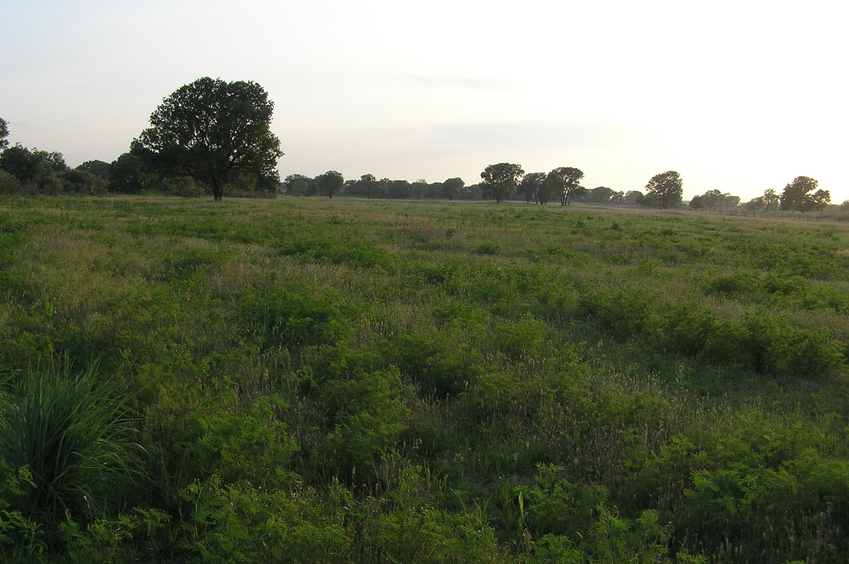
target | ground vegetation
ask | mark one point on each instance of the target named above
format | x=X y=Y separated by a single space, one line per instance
x=314 y=380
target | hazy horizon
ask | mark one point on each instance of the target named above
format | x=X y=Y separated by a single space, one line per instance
x=738 y=97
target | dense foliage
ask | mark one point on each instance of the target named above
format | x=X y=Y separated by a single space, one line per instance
x=314 y=380
x=665 y=189
x=214 y=132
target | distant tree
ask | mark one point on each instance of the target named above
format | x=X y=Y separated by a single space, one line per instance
x=4 y=132
x=602 y=195
x=755 y=204
x=213 y=131
x=8 y=183
x=20 y=163
x=289 y=183
x=300 y=188
x=329 y=183
x=383 y=188
x=499 y=180
x=819 y=200
x=451 y=188
x=799 y=195
x=84 y=182
x=844 y=206
x=730 y=201
x=97 y=168
x=532 y=187
x=665 y=190
x=131 y=173
x=633 y=198
x=565 y=182
x=368 y=185
x=35 y=170
x=526 y=188
x=697 y=202
x=712 y=199
x=242 y=184
x=471 y=192
x=418 y=189
x=771 y=200
x=351 y=186
x=398 y=189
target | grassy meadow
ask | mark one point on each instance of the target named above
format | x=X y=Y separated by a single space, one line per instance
x=346 y=380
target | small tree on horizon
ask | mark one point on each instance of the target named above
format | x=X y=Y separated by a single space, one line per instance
x=799 y=195
x=499 y=180
x=665 y=189
x=330 y=183
x=451 y=188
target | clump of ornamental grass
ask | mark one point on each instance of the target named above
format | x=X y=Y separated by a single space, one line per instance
x=76 y=436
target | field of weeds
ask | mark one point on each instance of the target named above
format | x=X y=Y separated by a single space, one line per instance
x=297 y=380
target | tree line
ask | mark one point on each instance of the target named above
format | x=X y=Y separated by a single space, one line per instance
x=332 y=183
x=800 y=195
x=212 y=136
x=503 y=181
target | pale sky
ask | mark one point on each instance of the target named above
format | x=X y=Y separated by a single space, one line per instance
x=738 y=96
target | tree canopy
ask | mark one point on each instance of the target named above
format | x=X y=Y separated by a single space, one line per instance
x=565 y=181
x=215 y=132
x=4 y=132
x=368 y=184
x=33 y=168
x=451 y=188
x=799 y=195
x=499 y=180
x=533 y=188
x=418 y=189
x=603 y=195
x=665 y=189
x=330 y=183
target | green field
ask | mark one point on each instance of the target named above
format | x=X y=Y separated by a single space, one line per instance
x=303 y=380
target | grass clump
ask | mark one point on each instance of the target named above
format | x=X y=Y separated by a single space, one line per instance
x=76 y=438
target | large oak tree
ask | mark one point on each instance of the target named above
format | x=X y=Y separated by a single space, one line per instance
x=215 y=132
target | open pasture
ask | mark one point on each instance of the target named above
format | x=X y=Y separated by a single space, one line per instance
x=356 y=380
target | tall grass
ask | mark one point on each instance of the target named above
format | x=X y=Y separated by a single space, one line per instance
x=77 y=438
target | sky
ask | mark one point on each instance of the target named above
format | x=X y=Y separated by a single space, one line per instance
x=739 y=96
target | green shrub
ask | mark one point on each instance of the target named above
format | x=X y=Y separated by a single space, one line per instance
x=364 y=254
x=567 y=523
x=488 y=248
x=441 y=364
x=738 y=284
x=363 y=410
x=777 y=347
x=20 y=537
x=524 y=338
x=366 y=415
x=239 y=523
x=290 y=317
x=409 y=526
x=251 y=444
x=627 y=313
